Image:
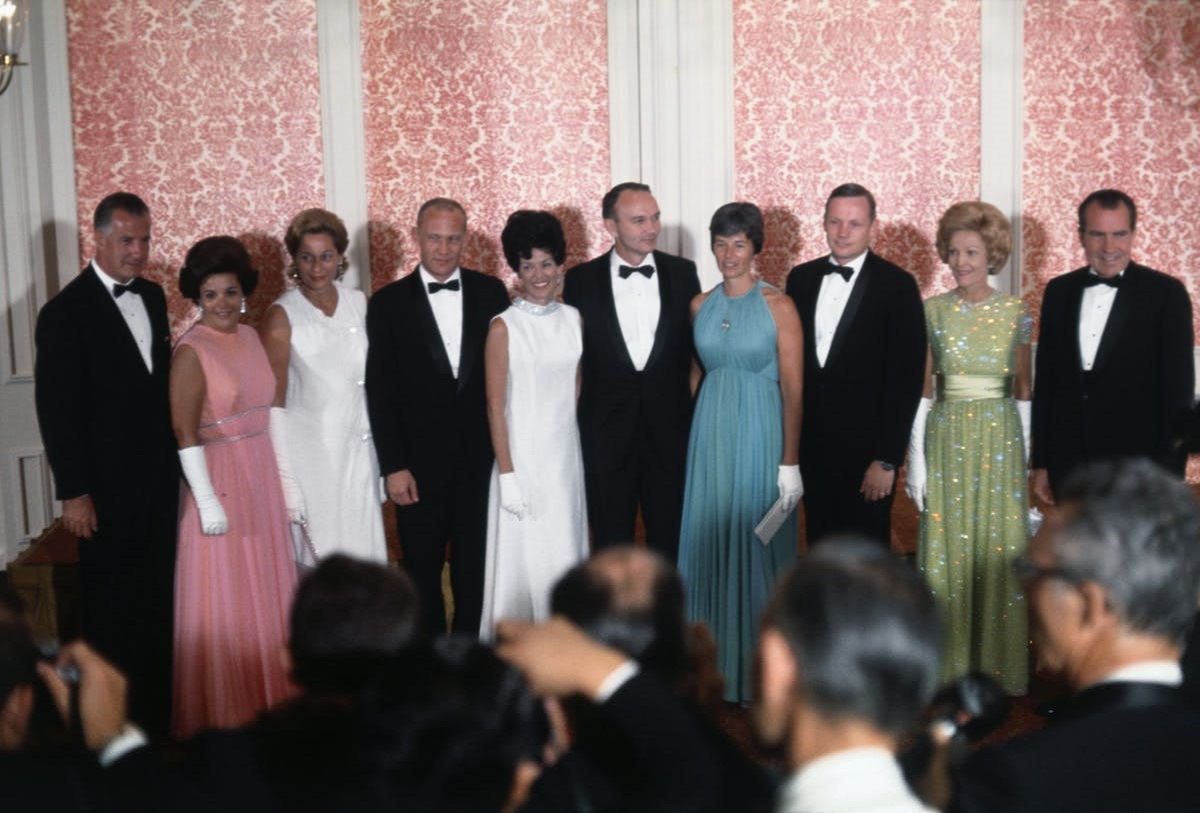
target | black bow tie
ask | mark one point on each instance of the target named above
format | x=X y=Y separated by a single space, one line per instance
x=1096 y=279
x=845 y=271
x=452 y=285
x=119 y=290
x=646 y=271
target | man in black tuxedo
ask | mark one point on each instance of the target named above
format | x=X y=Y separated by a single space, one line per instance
x=103 y=357
x=1111 y=580
x=864 y=365
x=425 y=397
x=636 y=405
x=1114 y=370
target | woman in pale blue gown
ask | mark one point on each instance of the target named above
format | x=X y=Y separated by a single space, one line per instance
x=743 y=454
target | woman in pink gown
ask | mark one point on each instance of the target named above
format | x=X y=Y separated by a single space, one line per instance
x=234 y=574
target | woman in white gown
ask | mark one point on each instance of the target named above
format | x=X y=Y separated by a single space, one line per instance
x=537 y=518
x=316 y=340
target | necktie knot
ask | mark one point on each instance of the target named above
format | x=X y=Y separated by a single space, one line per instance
x=646 y=271
x=1096 y=279
x=452 y=285
x=120 y=290
x=844 y=271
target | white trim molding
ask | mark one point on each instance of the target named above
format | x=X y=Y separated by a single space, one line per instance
x=344 y=144
x=670 y=68
x=1001 y=138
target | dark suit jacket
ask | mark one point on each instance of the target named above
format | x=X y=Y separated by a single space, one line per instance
x=859 y=407
x=422 y=418
x=106 y=419
x=1136 y=399
x=1120 y=747
x=647 y=749
x=615 y=396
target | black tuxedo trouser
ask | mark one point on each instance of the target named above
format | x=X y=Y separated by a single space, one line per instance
x=458 y=516
x=833 y=507
x=646 y=478
x=127 y=585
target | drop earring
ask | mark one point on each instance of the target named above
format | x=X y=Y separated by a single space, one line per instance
x=242 y=310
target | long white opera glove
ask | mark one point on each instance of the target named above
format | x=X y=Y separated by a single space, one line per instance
x=916 y=474
x=511 y=499
x=791 y=486
x=1025 y=410
x=293 y=497
x=195 y=469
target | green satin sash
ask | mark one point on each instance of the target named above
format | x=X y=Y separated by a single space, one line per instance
x=973 y=387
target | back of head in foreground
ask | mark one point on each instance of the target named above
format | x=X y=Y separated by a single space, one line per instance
x=1127 y=539
x=349 y=618
x=450 y=727
x=849 y=651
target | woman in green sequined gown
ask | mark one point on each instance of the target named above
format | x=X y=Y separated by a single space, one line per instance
x=971 y=435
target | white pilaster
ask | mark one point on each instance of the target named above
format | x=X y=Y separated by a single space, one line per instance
x=1001 y=91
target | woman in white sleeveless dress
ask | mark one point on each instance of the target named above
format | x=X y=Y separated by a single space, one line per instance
x=316 y=340
x=537 y=518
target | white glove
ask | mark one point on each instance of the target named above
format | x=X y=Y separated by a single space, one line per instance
x=195 y=470
x=293 y=497
x=916 y=474
x=1025 y=410
x=511 y=499
x=791 y=487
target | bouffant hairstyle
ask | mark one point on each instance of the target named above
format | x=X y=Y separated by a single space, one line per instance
x=526 y=230
x=737 y=218
x=316 y=221
x=985 y=220
x=216 y=255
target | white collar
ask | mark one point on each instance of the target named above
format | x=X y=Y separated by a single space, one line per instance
x=1168 y=673
x=615 y=261
x=856 y=263
x=853 y=779
x=427 y=278
x=108 y=281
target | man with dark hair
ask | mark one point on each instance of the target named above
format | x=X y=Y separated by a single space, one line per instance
x=631 y=599
x=103 y=356
x=864 y=366
x=425 y=398
x=849 y=658
x=1112 y=579
x=636 y=402
x=1114 y=372
x=348 y=617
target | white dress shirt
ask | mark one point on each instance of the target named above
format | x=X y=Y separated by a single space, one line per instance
x=637 y=304
x=857 y=780
x=133 y=310
x=831 y=304
x=1168 y=673
x=1093 y=316
x=447 y=308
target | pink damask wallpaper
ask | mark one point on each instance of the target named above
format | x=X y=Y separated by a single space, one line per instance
x=1112 y=99
x=210 y=112
x=499 y=104
x=885 y=94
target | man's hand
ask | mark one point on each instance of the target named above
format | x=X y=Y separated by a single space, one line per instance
x=79 y=516
x=877 y=482
x=556 y=657
x=1040 y=486
x=101 y=693
x=402 y=487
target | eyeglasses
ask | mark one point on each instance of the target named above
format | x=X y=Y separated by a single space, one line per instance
x=1028 y=571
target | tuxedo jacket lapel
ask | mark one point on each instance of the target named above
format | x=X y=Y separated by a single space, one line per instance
x=111 y=322
x=422 y=311
x=469 y=350
x=846 y=324
x=1123 y=305
x=612 y=326
x=665 y=293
